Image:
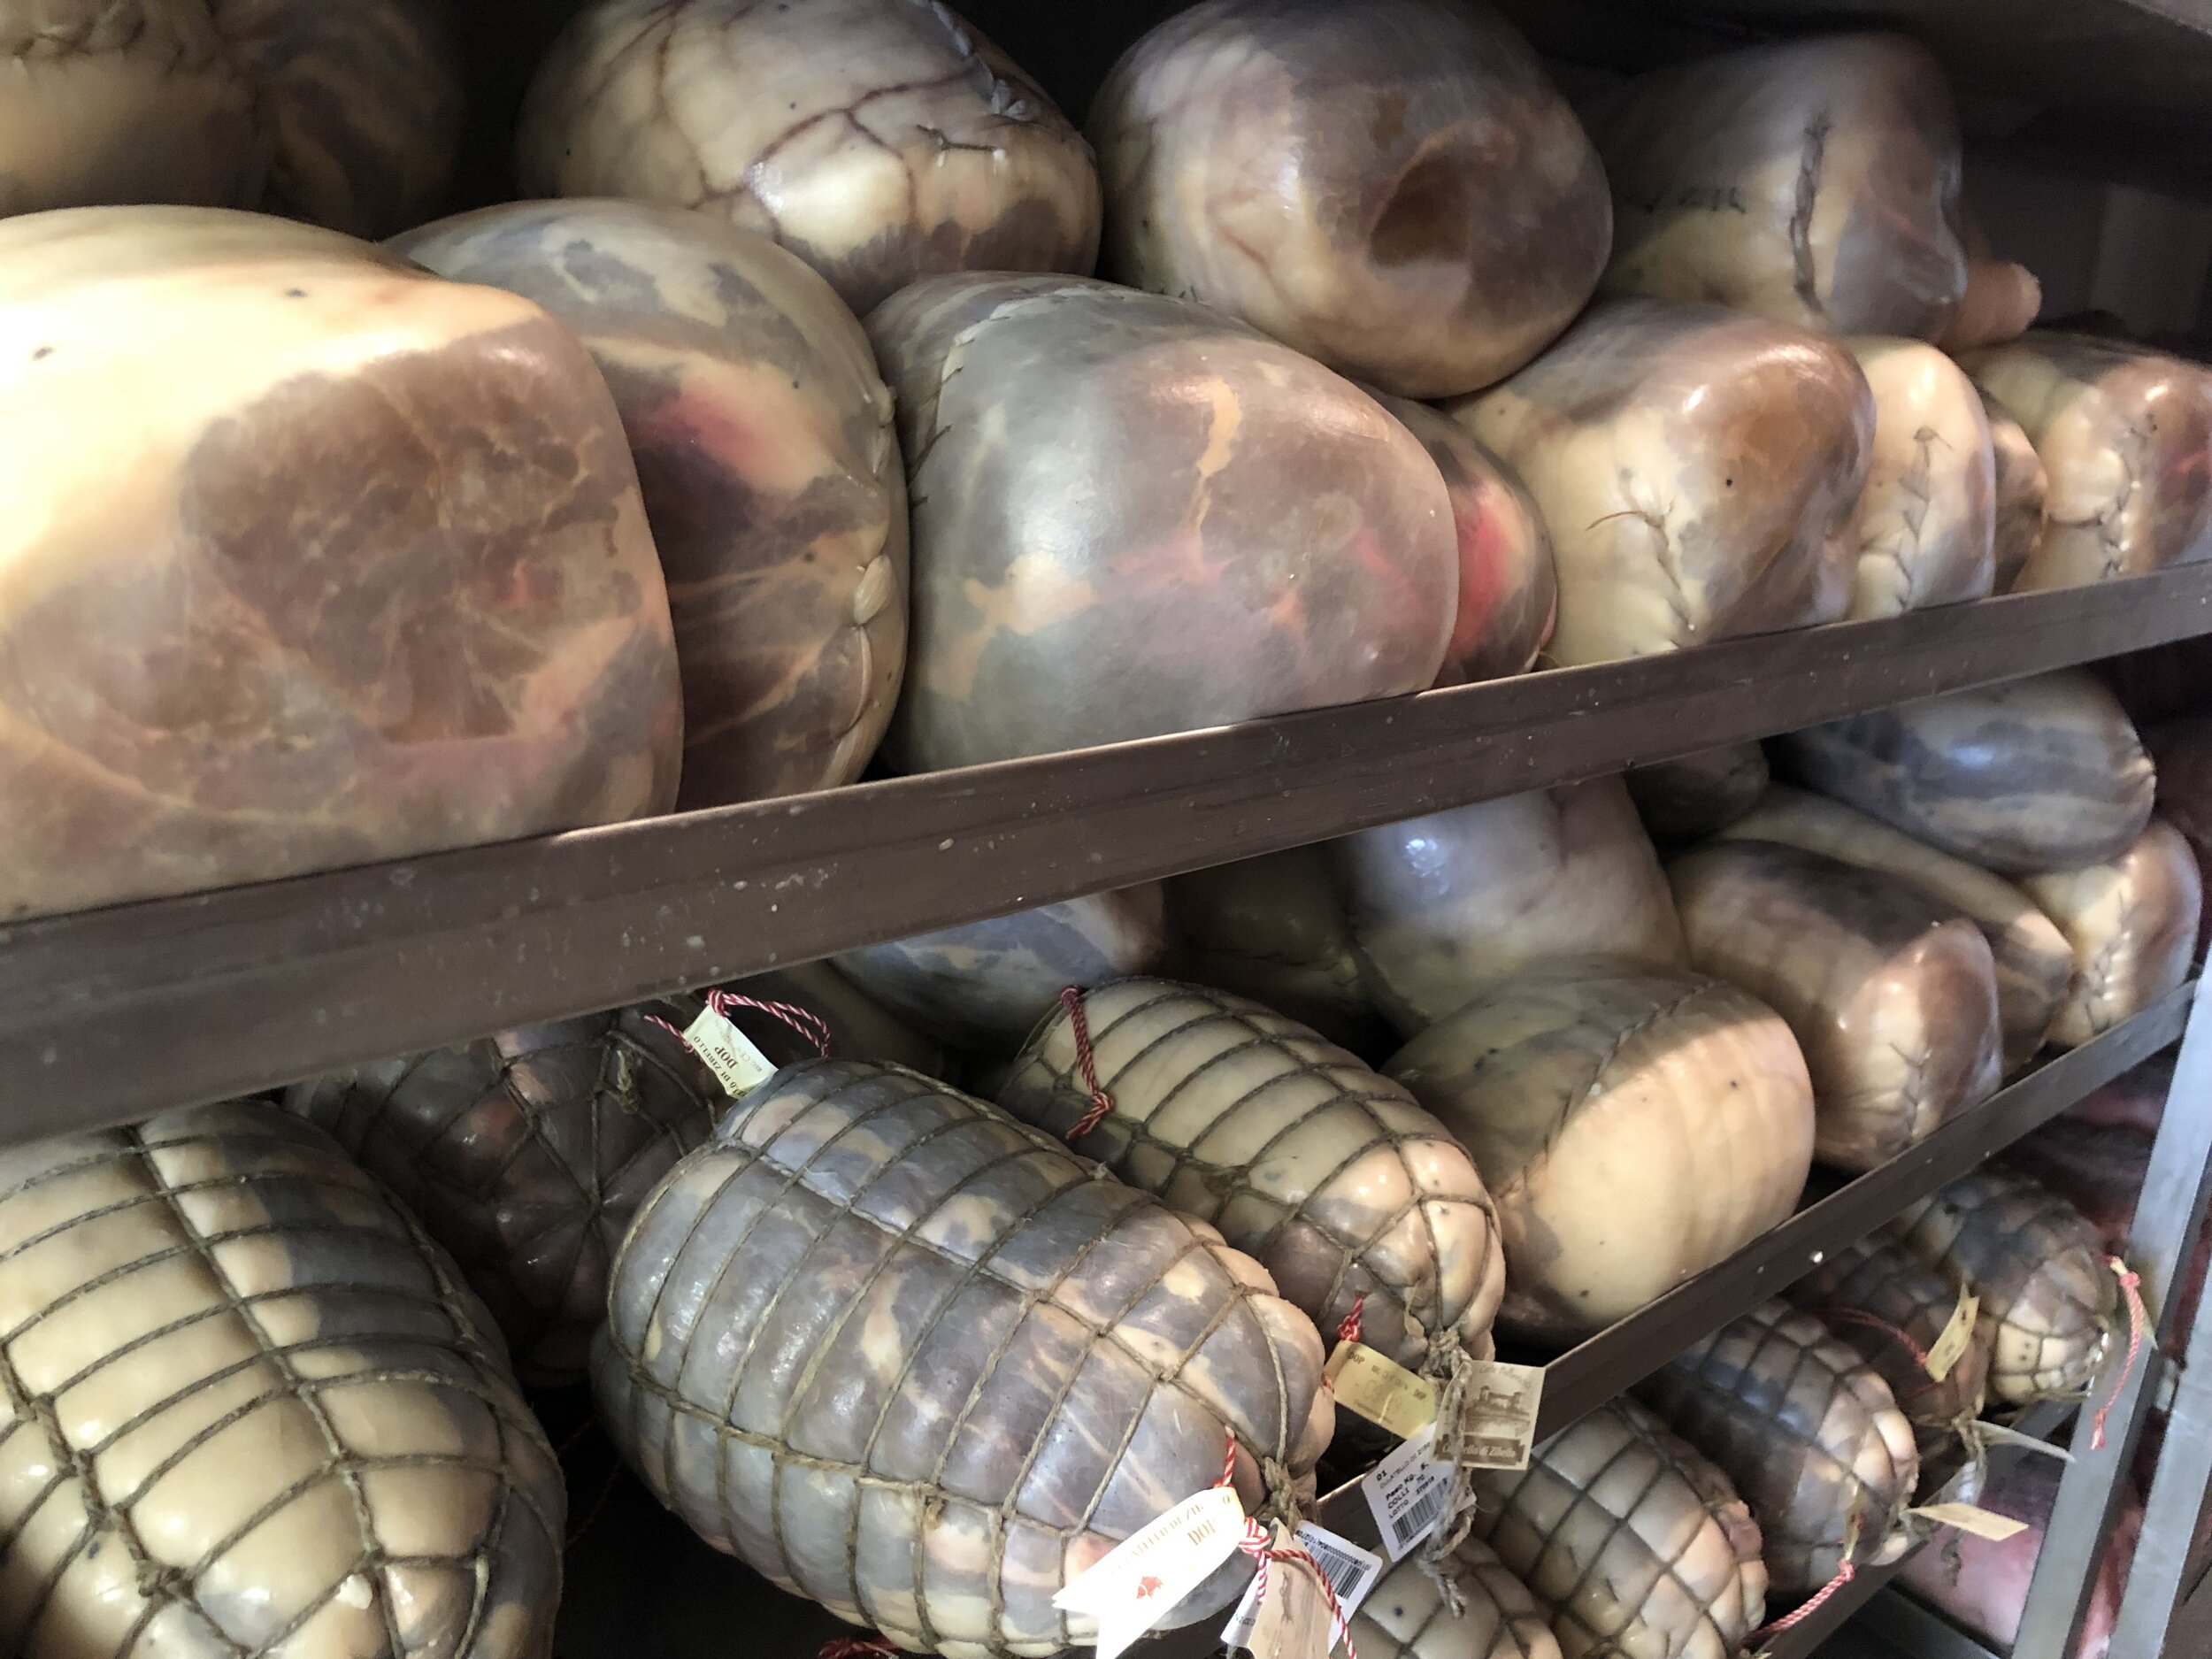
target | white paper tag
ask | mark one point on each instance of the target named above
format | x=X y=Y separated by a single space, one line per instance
x=1135 y=1585
x=1409 y=1492
x=728 y=1053
x=1351 y=1572
x=1950 y=1347
x=1971 y=1518
x=1498 y=1421
x=1998 y=1434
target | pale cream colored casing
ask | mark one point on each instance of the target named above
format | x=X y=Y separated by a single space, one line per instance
x=2132 y=923
x=1925 y=524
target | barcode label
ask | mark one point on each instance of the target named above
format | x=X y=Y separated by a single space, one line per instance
x=1409 y=1492
x=1351 y=1573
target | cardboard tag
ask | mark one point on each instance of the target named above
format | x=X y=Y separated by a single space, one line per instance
x=1134 y=1586
x=1497 y=1420
x=1409 y=1492
x=1998 y=1434
x=1293 y=1622
x=1350 y=1570
x=1967 y=1518
x=1950 y=1348
x=1376 y=1388
x=728 y=1053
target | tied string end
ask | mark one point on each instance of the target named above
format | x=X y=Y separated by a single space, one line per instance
x=808 y=1024
x=1821 y=1598
x=1903 y=1339
x=2139 y=1319
x=1440 y=1556
x=1086 y=1062
x=1257 y=1541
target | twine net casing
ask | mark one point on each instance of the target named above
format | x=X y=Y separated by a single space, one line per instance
x=921 y=1364
x=247 y=1408
x=1891 y=1308
x=1303 y=1156
x=1807 y=1432
x=2049 y=1304
x=1638 y=1545
x=1408 y=1615
x=527 y=1154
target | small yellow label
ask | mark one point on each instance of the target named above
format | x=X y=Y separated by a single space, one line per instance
x=1950 y=1348
x=1967 y=1518
x=729 y=1054
x=1376 y=1388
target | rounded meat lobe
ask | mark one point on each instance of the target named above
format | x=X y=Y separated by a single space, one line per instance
x=364 y=102
x=845 y=1336
x=526 y=1154
x=1892 y=996
x=1925 y=524
x=986 y=985
x=1810 y=1436
x=2034 y=962
x=1400 y=193
x=1441 y=906
x=882 y=141
x=2123 y=433
x=379 y=586
x=771 y=476
x=1342 y=1187
x=1696 y=469
x=1635 y=1128
x=248 y=1406
x=1134 y=517
x=1892 y=1310
x=1700 y=795
x=1411 y=1615
x=2048 y=1302
x=1633 y=1541
x=1814 y=182
x=1509 y=587
x=2023 y=496
x=2025 y=778
x=2132 y=923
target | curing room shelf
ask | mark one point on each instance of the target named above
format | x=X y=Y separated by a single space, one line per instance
x=108 y=1015
x=1622 y=1355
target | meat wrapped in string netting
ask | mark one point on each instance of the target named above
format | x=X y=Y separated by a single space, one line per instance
x=249 y=1409
x=525 y=1154
x=918 y=1362
x=1409 y=1614
x=1808 y=1432
x=1333 y=1175
x=1638 y=1545
x=2049 y=1304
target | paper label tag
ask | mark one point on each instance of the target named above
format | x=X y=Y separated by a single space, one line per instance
x=1376 y=1388
x=1950 y=1348
x=1138 y=1582
x=1967 y=1518
x=1409 y=1492
x=1998 y=1434
x=1351 y=1572
x=729 y=1054
x=1293 y=1622
x=1498 y=1421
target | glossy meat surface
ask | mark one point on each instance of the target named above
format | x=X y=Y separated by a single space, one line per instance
x=2123 y=432
x=1408 y=1616
x=1813 y=181
x=882 y=141
x=2030 y=776
x=765 y=446
x=1926 y=525
x=1332 y=1176
x=1809 y=1435
x=1700 y=795
x=246 y=1407
x=1696 y=469
x=1273 y=929
x=1396 y=190
x=1636 y=1543
x=1892 y=995
x=1134 y=517
x=2132 y=923
x=526 y=1154
x=922 y=1364
x=318 y=560
x=1634 y=1126
x=1441 y=906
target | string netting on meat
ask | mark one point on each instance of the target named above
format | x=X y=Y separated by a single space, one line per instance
x=196 y=1210
x=862 y=1101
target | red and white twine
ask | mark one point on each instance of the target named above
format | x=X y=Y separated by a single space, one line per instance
x=2139 y=1319
x=1102 y=1103
x=1259 y=1543
x=808 y=1024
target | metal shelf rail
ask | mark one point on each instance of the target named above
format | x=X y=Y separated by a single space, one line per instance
x=253 y=987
